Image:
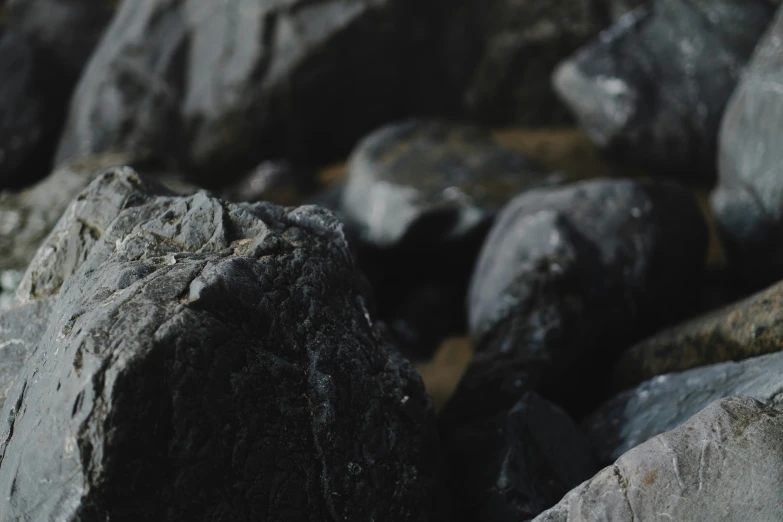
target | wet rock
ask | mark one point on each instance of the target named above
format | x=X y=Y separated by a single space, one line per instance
x=230 y=84
x=568 y=276
x=663 y=403
x=211 y=361
x=501 y=53
x=32 y=105
x=723 y=464
x=65 y=30
x=751 y=327
x=653 y=88
x=509 y=453
x=421 y=195
x=748 y=203
x=277 y=182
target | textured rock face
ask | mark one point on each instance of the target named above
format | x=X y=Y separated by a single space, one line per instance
x=723 y=464
x=31 y=104
x=509 y=453
x=653 y=88
x=209 y=361
x=242 y=81
x=665 y=402
x=748 y=202
x=569 y=275
x=65 y=30
x=751 y=327
x=501 y=53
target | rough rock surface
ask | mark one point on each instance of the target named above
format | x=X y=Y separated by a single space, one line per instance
x=748 y=203
x=209 y=361
x=239 y=82
x=665 y=402
x=500 y=54
x=751 y=327
x=511 y=465
x=653 y=88
x=65 y=30
x=568 y=276
x=31 y=110
x=723 y=464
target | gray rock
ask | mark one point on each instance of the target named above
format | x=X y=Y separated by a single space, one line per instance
x=723 y=464
x=568 y=276
x=211 y=361
x=66 y=30
x=9 y=283
x=664 y=402
x=748 y=203
x=31 y=110
x=653 y=88
x=234 y=83
x=500 y=54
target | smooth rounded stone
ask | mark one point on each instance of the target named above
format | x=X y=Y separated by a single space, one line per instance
x=212 y=361
x=65 y=30
x=653 y=88
x=751 y=327
x=570 y=275
x=32 y=101
x=509 y=454
x=500 y=54
x=425 y=182
x=664 y=402
x=226 y=85
x=748 y=202
x=277 y=182
x=722 y=464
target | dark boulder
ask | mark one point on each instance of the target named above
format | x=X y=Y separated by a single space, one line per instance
x=568 y=276
x=751 y=327
x=722 y=464
x=32 y=107
x=748 y=202
x=653 y=88
x=230 y=84
x=209 y=361
x=509 y=454
x=664 y=402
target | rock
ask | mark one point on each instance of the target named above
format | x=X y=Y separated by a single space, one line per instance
x=653 y=88
x=663 y=403
x=211 y=361
x=231 y=84
x=277 y=182
x=751 y=327
x=723 y=464
x=32 y=105
x=509 y=454
x=748 y=202
x=65 y=30
x=501 y=54
x=421 y=195
x=569 y=276
x=9 y=282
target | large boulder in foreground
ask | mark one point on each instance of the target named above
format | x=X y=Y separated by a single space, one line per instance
x=209 y=361
x=748 y=202
x=664 y=402
x=568 y=276
x=653 y=88
x=723 y=464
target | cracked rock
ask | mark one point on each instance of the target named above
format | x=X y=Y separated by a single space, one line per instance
x=653 y=87
x=209 y=361
x=569 y=275
x=722 y=464
x=230 y=84
x=751 y=327
x=664 y=402
x=748 y=203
